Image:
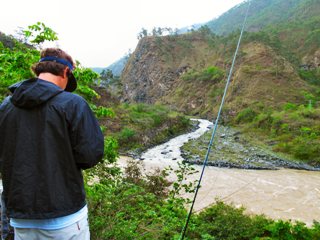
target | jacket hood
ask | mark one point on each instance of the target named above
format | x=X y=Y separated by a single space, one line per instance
x=33 y=92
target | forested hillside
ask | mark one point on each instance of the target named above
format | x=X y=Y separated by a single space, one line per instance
x=263 y=13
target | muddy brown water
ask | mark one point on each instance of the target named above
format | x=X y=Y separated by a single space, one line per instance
x=278 y=194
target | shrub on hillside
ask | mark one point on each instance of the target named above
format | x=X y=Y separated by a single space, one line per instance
x=212 y=73
x=125 y=135
x=222 y=221
x=246 y=115
x=311 y=76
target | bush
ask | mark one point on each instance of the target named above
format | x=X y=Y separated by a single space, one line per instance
x=263 y=121
x=306 y=148
x=101 y=111
x=15 y=65
x=223 y=221
x=126 y=134
x=212 y=73
x=311 y=76
x=131 y=206
x=147 y=125
x=288 y=231
x=289 y=106
x=148 y=116
x=246 y=115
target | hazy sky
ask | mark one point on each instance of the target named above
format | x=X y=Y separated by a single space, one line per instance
x=99 y=32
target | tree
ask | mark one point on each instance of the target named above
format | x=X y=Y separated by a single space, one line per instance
x=106 y=74
x=39 y=33
x=143 y=33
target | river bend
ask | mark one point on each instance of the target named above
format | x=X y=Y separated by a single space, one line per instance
x=279 y=194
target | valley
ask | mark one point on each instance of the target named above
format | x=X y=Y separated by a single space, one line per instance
x=266 y=153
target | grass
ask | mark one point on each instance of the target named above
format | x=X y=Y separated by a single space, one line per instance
x=294 y=130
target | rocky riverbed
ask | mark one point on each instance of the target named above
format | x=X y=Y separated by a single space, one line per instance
x=232 y=149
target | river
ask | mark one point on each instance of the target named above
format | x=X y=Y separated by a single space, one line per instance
x=279 y=194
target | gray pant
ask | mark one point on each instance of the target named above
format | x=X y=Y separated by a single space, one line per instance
x=76 y=231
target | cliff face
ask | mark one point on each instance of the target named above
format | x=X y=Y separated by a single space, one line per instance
x=158 y=62
x=155 y=74
x=146 y=77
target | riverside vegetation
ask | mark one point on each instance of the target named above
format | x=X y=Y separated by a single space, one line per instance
x=127 y=204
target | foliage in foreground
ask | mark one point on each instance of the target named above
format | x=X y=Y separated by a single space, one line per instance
x=132 y=206
x=16 y=59
x=129 y=204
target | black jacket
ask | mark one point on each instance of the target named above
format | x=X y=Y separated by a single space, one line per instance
x=47 y=136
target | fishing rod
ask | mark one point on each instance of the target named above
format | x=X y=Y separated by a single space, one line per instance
x=215 y=125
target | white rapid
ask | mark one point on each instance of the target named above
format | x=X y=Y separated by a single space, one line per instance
x=168 y=152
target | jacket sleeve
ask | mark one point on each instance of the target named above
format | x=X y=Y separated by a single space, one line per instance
x=86 y=136
x=3 y=105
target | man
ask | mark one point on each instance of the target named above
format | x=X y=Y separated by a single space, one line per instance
x=47 y=136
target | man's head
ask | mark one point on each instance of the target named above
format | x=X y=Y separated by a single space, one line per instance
x=57 y=62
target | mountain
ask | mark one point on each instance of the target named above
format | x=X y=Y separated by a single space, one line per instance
x=174 y=72
x=262 y=13
x=154 y=71
x=275 y=87
x=116 y=67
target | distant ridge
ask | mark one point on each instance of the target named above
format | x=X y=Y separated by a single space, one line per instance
x=264 y=13
x=116 y=67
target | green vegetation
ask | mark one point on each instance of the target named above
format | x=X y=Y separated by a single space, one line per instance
x=129 y=204
x=40 y=33
x=212 y=73
x=311 y=76
x=15 y=65
x=263 y=13
x=144 y=125
x=17 y=58
x=16 y=62
x=294 y=130
x=245 y=115
x=289 y=27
